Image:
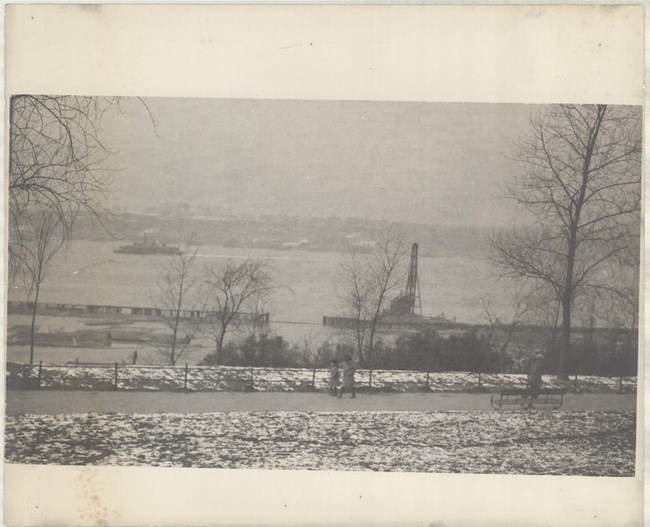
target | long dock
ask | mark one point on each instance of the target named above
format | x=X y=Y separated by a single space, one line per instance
x=19 y=308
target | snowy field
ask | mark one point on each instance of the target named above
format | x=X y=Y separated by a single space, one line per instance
x=559 y=443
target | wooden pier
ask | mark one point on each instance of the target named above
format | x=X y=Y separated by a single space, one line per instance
x=18 y=308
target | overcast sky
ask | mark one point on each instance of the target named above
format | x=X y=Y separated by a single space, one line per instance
x=438 y=163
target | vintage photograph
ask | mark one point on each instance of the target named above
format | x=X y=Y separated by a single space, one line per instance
x=323 y=285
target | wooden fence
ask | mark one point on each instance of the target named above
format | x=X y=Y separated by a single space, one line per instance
x=117 y=376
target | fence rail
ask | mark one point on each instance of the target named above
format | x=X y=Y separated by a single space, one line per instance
x=118 y=376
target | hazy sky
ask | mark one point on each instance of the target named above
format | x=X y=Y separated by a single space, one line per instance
x=439 y=163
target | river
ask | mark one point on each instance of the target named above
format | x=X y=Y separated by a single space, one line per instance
x=91 y=273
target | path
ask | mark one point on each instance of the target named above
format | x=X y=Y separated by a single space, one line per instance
x=65 y=402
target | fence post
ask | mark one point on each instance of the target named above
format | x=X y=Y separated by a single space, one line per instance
x=428 y=384
x=575 y=383
x=116 y=375
x=620 y=384
x=252 y=378
x=370 y=379
x=185 y=381
x=40 y=371
x=479 y=381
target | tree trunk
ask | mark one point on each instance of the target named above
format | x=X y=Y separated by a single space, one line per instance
x=31 y=340
x=565 y=339
x=569 y=285
x=360 y=338
x=219 y=349
x=371 y=343
x=567 y=301
x=174 y=336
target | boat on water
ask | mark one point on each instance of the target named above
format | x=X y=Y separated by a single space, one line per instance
x=147 y=247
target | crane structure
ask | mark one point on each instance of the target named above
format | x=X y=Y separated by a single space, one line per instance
x=405 y=310
x=413 y=283
x=409 y=301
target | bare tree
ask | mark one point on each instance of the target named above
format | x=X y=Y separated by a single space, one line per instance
x=544 y=312
x=618 y=302
x=54 y=160
x=253 y=329
x=354 y=295
x=233 y=290
x=582 y=184
x=310 y=354
x=57 y=162
x=304 y=346
x=366 y=282
x=40 y=245
x=176 y=292
x=502 y=333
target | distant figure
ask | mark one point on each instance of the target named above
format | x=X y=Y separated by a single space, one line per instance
x=334 y=376
x=535 y=370
x=348 y=377
x=135 y=357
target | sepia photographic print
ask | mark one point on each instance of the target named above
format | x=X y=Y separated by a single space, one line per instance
x=467 y=302
x=310 y=284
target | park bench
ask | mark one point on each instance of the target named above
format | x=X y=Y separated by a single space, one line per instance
x=527 y=398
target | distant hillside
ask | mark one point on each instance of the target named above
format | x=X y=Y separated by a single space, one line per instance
x=281 y=232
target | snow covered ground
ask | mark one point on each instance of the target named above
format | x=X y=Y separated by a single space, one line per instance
x=224 y=378
x=561 y=443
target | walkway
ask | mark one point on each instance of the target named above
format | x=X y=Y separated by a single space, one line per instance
x=66 y=402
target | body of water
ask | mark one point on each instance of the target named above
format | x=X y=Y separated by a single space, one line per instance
x=91 y=273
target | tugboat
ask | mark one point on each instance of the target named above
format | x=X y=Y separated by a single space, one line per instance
x=145 y=247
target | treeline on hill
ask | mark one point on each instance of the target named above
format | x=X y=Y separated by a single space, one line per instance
x=426 y=351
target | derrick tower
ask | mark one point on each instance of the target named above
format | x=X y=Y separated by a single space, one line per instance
x=412 y=292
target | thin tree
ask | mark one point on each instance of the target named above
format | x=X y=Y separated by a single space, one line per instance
x=617 y=303
x=311 y=355
x=232 y=291
x=254 y=329
x=502 y=333
x=354 y=294
x=366 y=284
x=545 y=311
x=176 y=292
x=37 y=251
x=582 y=185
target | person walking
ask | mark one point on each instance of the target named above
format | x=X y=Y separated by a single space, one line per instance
x=334 y=376
x=348 y=377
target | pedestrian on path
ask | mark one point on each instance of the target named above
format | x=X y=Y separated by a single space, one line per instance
x=348 y=377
